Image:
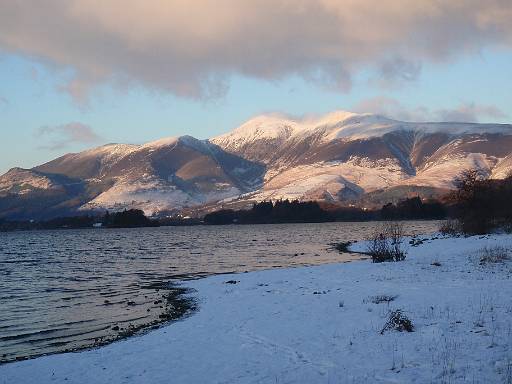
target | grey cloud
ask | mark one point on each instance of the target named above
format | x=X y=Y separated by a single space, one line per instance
x=465 y=112
x=470 y=112
x=398 y=71
x=61 y=136
x=191 y=49
x=390 y=107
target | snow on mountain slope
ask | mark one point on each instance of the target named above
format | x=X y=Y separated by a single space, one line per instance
x=172 y=173
x=163 y=175
x=341 y=156
x=370 y=151
x=165 y=142
x=19 y=180
x=339 y=125
x=503 y=168
x=332 y=180
x=280 y=129
x=442 y=174
x=153 y=196
x=29 y=194
x=338 y=157
x=93 y=163
x=262 y=128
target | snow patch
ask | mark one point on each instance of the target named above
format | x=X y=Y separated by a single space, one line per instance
x=320 y=325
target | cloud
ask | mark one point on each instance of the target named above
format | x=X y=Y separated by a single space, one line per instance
x=465 y=112
x=391 y=107
x=3 y=101
x=61 y=136
x=190 y=49
x=470 y=112
x=398 y=71
x=78 y=89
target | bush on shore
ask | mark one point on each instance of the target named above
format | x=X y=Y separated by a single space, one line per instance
x=386 y=244
x=450 y=227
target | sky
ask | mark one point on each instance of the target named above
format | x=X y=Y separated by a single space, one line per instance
x=75 y=74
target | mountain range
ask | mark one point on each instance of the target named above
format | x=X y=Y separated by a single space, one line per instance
x=342 y=158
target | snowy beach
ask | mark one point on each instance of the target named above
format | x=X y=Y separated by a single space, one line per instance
x=322 y=324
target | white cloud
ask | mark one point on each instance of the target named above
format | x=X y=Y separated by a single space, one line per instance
x=191 y=48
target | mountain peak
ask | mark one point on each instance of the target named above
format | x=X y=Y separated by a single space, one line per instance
x=276 y=127
x=331 y=118
x=164 y=142
x=264 y=127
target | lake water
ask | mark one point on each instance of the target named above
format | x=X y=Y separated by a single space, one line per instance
x=69 y=289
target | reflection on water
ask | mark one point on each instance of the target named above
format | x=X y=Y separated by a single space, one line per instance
x=62 y=290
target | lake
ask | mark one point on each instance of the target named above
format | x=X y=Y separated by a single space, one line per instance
x=64 y=290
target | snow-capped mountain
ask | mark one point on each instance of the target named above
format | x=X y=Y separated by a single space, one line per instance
x=341 y=157
x=344 y=155
x=163 y=175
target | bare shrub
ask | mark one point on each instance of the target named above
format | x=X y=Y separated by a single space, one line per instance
x=381 y=299
x=386 y=244
x=379 y=249
x=508 y=373
x=496 y=254
x=397 y=321
x=450 y=227
x=396 y=234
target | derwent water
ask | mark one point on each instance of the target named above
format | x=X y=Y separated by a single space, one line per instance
x=69 y=289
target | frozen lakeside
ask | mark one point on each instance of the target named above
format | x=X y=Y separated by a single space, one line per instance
x=322 y=325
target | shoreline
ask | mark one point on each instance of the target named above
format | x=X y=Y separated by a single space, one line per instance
x=178 y=306
x=319 y=323
x=203 y=224
x=179 y=296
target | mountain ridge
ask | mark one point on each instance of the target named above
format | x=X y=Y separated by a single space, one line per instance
x=341 y=157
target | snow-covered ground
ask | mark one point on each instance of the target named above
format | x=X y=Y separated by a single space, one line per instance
x=322 y=325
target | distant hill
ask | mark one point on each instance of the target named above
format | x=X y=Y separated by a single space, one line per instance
x=345 y=158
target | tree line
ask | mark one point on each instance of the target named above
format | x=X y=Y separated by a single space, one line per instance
x=130 y=218
x=266 y=212
x=481 y=205
x=295 y=211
